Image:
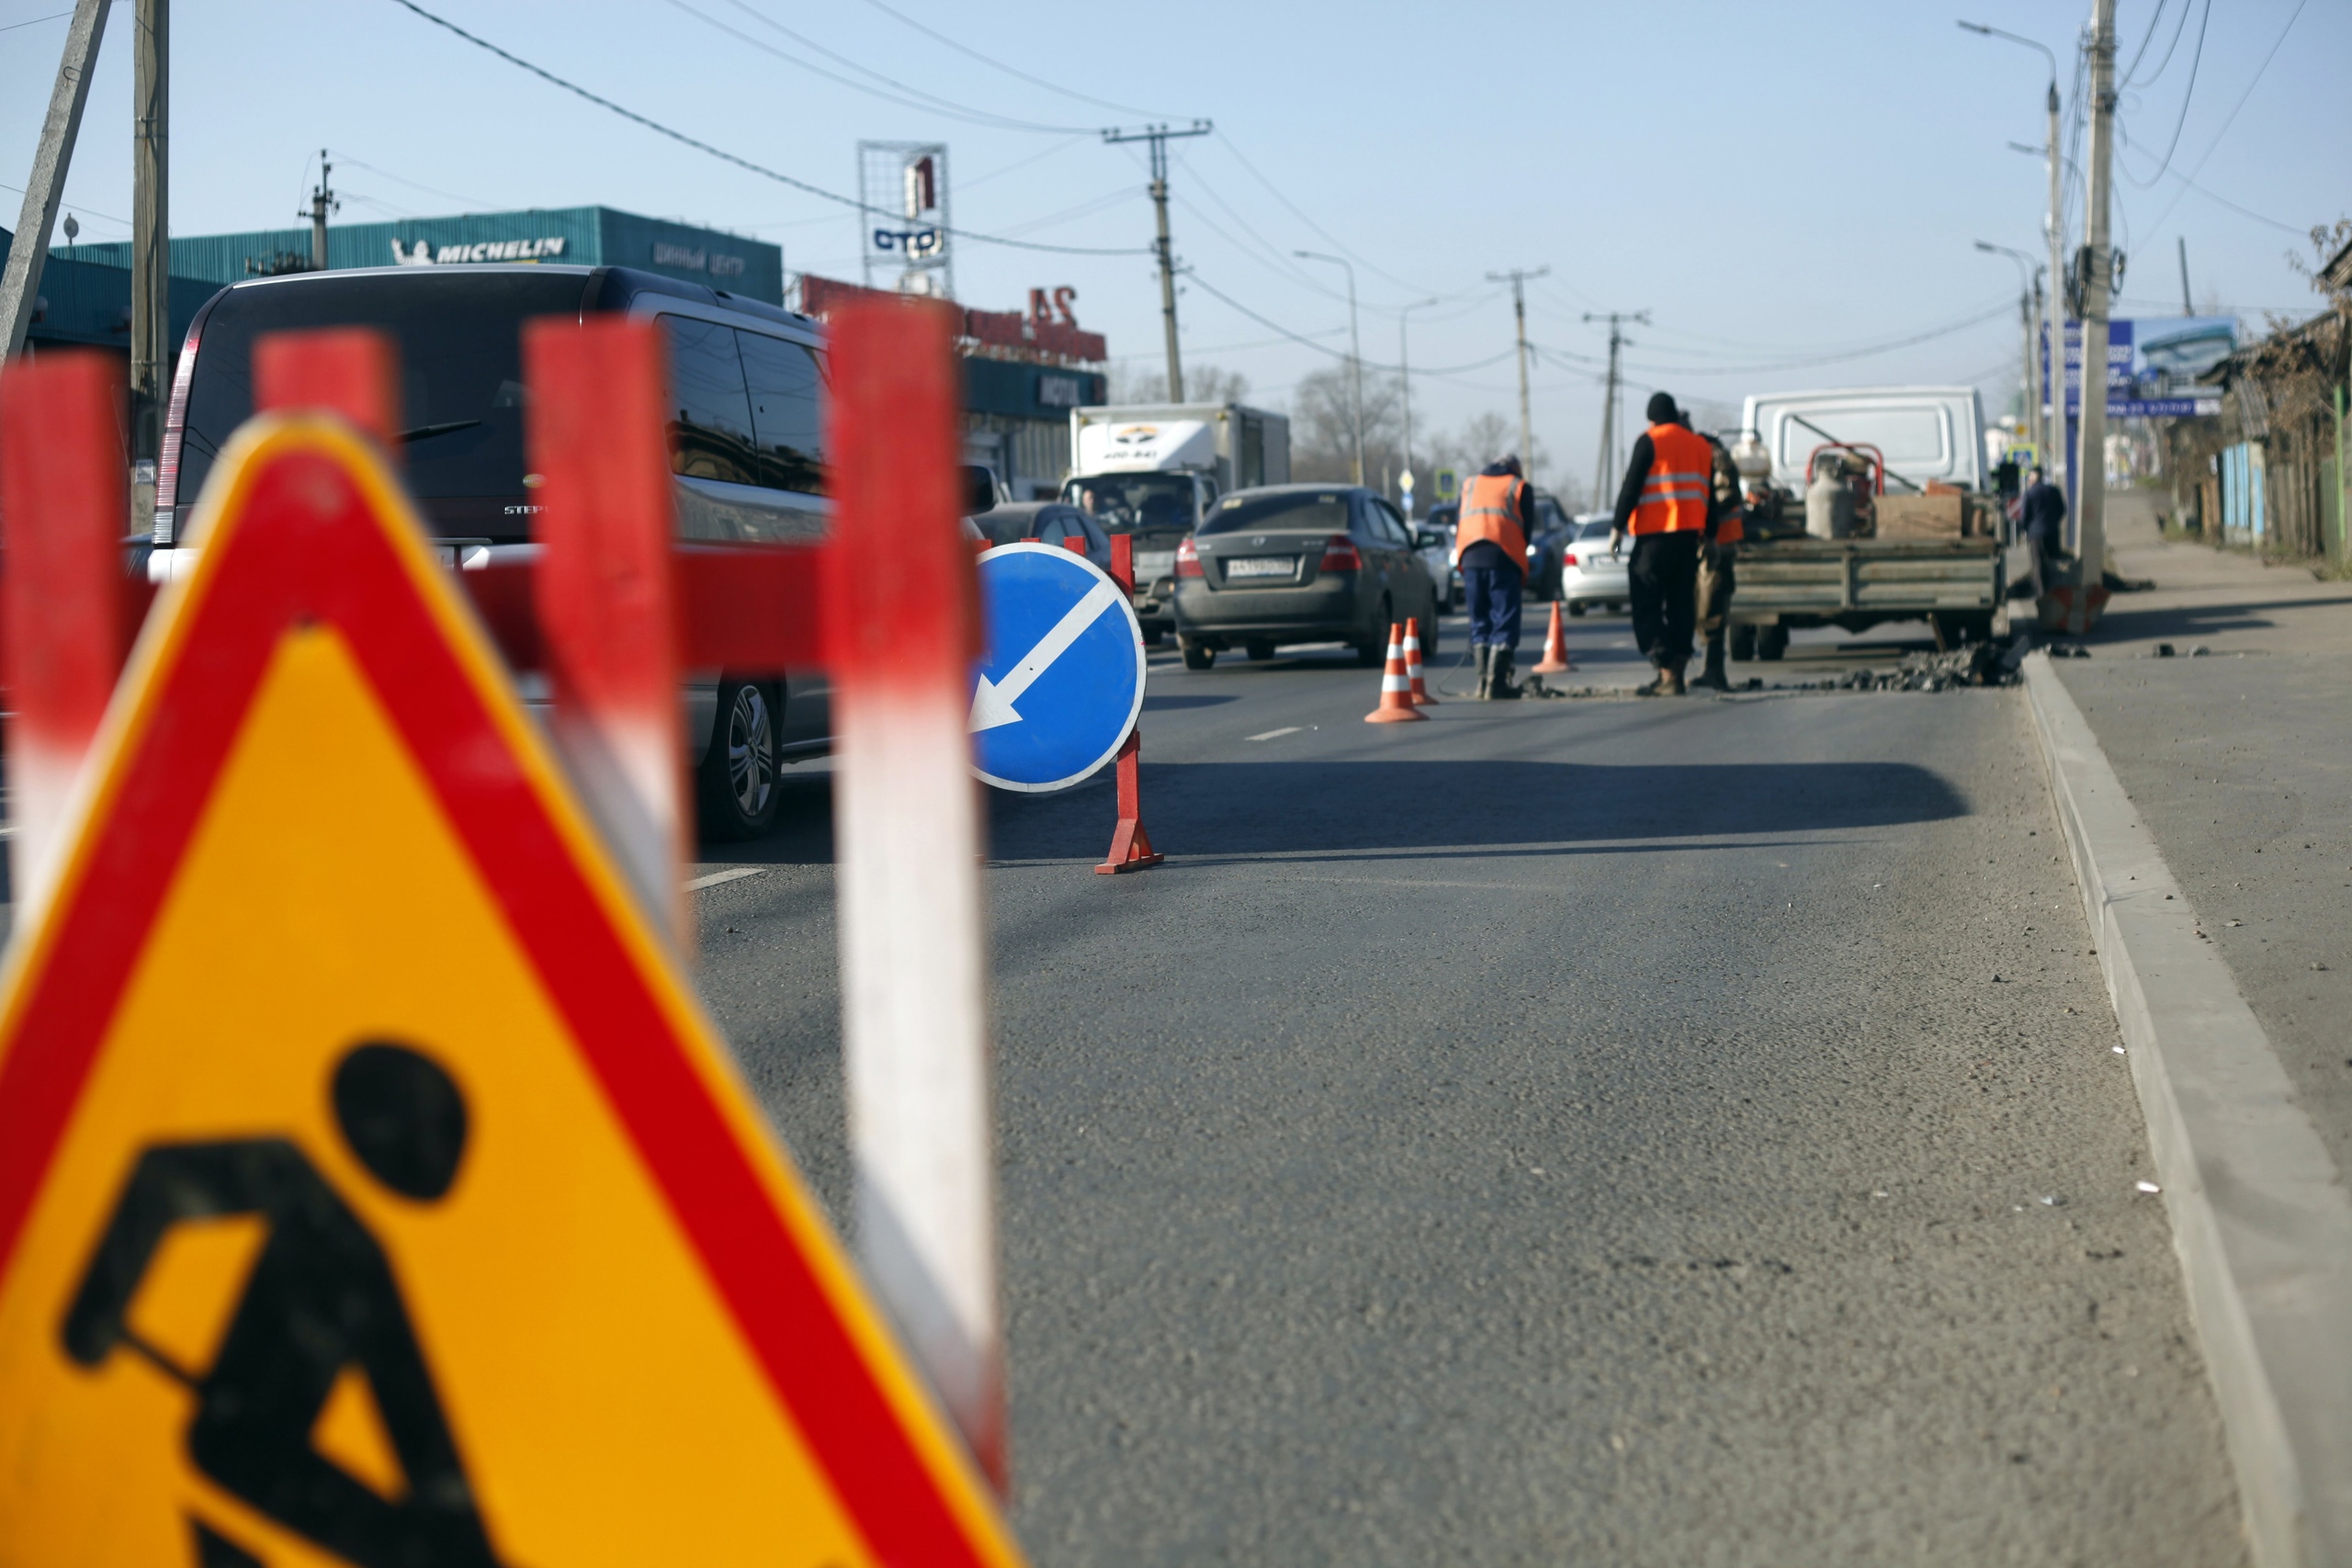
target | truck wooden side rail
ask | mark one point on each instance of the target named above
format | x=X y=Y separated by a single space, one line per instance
x=1953 y=584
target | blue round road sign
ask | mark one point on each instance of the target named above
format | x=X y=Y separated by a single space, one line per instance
x=1060 y=684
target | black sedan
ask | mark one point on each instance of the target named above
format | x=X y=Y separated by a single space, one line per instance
x=1289 y=564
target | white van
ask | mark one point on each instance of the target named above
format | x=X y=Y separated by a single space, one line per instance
x=1924 y=433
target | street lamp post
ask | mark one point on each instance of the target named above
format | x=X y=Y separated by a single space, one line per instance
x=2054 y=457
x=1405 y=371
x=2028 y=299
x=1355 y=350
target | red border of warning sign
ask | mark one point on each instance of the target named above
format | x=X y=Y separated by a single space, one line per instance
x=275 y=558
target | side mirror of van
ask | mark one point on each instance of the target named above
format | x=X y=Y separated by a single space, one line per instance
x=979 y=490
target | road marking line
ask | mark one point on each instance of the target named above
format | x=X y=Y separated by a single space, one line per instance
x=1278 y=734
x=715 y=877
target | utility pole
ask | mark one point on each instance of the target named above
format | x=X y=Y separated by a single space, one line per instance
x=20 y=282
x=322 y=201
x=2055 y=456
x=151 y=246
x=1602 y=494
x=1158 y=135
x=2098 y=271
x=1356 y=352
x=1405 y=370
x=2054 y=380
x=1517 y=277
x=2042 y=419
x=2185 y=308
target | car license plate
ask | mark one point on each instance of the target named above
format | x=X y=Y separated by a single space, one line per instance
x=1150 y=564
x=1261 y=565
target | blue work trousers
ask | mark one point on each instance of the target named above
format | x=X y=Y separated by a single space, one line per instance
x=1493 y=592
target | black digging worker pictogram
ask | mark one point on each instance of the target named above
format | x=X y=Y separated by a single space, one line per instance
x=321 y=1298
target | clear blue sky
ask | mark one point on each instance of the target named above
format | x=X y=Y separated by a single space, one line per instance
x=1771 y=182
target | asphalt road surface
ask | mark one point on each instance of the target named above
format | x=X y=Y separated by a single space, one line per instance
x=1603 y=1131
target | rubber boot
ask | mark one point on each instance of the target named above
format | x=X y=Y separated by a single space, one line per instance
x=1672 y=676
x=1657 y=687
x=1713 y=678
x=1500 y=688
x=1485 y=670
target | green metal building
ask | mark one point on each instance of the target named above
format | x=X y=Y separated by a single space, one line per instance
x=586 y=236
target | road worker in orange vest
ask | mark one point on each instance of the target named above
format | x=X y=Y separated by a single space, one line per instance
x=1668 y=503
x=1490 y=548
x=1717 y=579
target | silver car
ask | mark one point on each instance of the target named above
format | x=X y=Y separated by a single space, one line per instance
x=1593 y=576
x=1435 y=547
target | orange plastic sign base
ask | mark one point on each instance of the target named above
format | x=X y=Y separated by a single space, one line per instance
x=372 y=1188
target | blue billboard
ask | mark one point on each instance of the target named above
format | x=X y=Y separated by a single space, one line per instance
x=2157 y=368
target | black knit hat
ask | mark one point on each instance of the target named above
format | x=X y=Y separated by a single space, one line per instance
x=1662 y=410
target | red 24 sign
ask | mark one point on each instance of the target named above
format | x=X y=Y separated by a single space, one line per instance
x=1048 y=305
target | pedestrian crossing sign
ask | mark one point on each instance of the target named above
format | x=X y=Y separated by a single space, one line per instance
x=372 y=1188
x=1449 y=484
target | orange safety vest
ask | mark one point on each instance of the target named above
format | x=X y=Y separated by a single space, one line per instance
x=1679 y=484
x=1490 y=511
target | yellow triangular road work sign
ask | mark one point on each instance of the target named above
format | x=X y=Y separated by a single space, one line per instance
x=372 y=1188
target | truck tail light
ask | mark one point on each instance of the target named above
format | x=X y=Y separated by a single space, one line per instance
x=1188 y=558
x=167 y=458
x=1339 y=555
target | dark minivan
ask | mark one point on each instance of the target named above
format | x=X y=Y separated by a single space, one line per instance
x=747 y=389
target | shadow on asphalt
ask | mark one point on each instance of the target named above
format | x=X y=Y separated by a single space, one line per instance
x=1248 y=808
x=2124 y=619
x=1207 y=809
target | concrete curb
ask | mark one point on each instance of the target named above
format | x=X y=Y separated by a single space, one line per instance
x=2260 y=1217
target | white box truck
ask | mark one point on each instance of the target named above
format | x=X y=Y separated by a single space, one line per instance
x=1154 y=470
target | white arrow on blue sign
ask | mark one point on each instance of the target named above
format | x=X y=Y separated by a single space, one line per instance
x=1060 y=684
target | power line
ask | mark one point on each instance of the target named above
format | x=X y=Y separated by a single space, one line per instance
x=723 y=155
x=900 y=93
x=2155 y=21
x=1807 y=363
x=2211 y=194
x=1338 y=244
x=1192 y=275
x=1282 y=259
x=12 y=27
x=347 y=159
x=91 y=210
x=997 y=173
x=965 y=48
x=2191 y=175
x=2194 y=62
x=1271 y=249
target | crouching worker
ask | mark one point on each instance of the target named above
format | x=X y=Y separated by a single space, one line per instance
x=1490 y=548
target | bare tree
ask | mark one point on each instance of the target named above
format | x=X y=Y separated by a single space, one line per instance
x=1202 y=384
x=1488 y=436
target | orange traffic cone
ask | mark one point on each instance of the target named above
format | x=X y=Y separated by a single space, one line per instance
x=1421 y=698
x=1396 y=686
x=1555 y=646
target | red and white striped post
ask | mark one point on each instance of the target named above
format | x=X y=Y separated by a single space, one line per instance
x=1130 y=842
x=351 y=371
x=606 y=590
x=63 y=504
x=902 y=629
